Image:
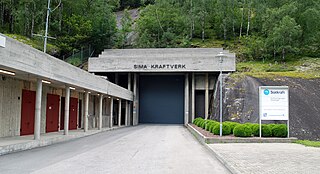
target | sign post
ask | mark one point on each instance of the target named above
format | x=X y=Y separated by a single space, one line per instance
x=273 y=104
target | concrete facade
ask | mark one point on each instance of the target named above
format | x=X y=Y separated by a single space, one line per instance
x=30 y=69
x=200 y=66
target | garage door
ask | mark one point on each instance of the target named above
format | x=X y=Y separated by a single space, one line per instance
x=161 y=99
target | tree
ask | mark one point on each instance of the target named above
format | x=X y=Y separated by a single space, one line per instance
x=286 y=35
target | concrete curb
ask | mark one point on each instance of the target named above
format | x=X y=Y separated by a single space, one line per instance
x=31 y=144
x=202 y=141
x=210 y=140
x=222 y=160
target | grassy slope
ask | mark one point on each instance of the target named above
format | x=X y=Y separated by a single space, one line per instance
x=36 y=42
x=307 y=68
x=308 y=143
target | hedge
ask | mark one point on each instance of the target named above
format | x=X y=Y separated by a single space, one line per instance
x=232 y=125
x=226 y=130
x=280 y=130
x=242 y=130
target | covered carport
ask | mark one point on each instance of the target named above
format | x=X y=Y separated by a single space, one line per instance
x=32 y=84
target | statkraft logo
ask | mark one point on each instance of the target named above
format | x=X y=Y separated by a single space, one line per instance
x=266 y=92
x=277 y=92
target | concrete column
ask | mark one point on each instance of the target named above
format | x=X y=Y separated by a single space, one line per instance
x=206 y=102
x=37 y=117
x=193 y=98
x=119 y=113
x=86 y=111
x=186 y=99
x=127 y=114
x=135 y=100
x=111 y=113
x=100 y=112
x=129 y=81
x=66 y=111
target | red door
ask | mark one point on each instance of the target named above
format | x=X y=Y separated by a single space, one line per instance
x=62 y=113
x=52 y=118
x=73 y=114
x=27 y=112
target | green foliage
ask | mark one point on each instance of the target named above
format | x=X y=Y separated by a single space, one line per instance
x=226 y=130
x=232 y=125
x=242 y=130
x=74 y=25
x=211 y=125
x=266 y=130
x=198 y=121
x=279 y=130
x=256 y=130
x=308 y=143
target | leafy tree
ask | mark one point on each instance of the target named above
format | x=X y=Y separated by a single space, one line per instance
x=286 y=36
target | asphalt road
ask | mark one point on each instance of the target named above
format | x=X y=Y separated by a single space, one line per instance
x=141 y=149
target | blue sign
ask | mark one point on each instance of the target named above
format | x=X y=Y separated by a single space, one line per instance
x=266 y=92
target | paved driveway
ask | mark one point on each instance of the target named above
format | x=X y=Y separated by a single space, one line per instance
x=266 y=158
x=140 y=149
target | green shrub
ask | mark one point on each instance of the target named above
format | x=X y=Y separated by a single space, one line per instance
x=212 y=125
x=266 y=130
x=232 y=125
x=271 y=125
x=279 y=130
x=226 y=130
x=256 y=130
x=242 y=130
x=251 y=125
x=209 y=125
x=197 y=121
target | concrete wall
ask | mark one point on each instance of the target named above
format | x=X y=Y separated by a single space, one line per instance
x=193 y=59
x=10 y=106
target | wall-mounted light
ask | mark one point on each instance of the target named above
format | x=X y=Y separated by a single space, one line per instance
x=109 y=97
x=89 y=92
x=7 y=72
x=117 y=99
x=45 y=81
x=72 y=88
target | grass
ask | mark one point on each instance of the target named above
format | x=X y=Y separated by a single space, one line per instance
x=306 y=68
x=308 y=143
x=35 y=42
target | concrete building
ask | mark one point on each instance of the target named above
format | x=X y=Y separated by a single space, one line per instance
x=170 y=86
x=41 y=94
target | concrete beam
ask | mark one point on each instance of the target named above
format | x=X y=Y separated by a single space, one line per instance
x=206 y=98
x=66 y=111
x=135 y=99
x=127 y=114
x=193 y=98
x=24 y=59
x=119 y=113
x=86 y=111
x=100 y=111
x=192 y=59
x=111 y=112
x=37 y=120
x=186 y=99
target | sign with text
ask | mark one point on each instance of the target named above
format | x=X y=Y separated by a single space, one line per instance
x=274 y=102
x=2 y=41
